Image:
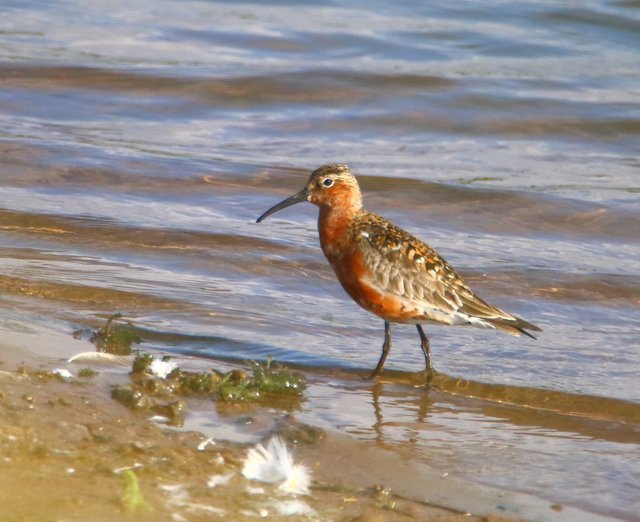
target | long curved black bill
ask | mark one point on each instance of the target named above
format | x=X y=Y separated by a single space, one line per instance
x=296 y=198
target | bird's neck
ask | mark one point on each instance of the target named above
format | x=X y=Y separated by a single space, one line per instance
x=334 y=228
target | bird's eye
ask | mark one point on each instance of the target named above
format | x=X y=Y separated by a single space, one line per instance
x=327 y=182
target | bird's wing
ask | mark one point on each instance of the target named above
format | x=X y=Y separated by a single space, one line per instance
x=404 y=266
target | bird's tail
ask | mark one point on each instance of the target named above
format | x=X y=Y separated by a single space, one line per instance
x=514 y=326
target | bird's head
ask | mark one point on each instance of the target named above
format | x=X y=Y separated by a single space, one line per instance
x=330 y=186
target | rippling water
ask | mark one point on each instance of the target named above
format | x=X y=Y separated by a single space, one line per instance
x=139 y=143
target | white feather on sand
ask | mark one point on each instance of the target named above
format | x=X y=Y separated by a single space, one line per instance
x=162 y=368
x=63 y=373
x=220 y=480
x=101 y=357
x=274 y=465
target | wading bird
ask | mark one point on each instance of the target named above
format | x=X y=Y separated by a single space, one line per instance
x=386 y=270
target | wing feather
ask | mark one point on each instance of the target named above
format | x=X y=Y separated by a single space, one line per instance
x=406 y=267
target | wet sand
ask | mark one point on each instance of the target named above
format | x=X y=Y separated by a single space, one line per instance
x=66 y=443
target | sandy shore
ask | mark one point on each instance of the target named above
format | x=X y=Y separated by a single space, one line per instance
x=66 y=446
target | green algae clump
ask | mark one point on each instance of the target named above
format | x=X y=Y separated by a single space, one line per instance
x=115 y=338
x=266 y=381
x=276 y=379
x=132 y=499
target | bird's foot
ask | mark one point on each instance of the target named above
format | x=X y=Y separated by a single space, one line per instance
x=427 y=374
x=371 y=376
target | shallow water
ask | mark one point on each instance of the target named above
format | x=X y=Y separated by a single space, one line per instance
x=139 y=144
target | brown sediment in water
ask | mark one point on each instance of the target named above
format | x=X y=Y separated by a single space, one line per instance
x=65 y=445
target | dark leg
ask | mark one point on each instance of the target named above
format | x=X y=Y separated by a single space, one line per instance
x=426 y=350
x=385 y=349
